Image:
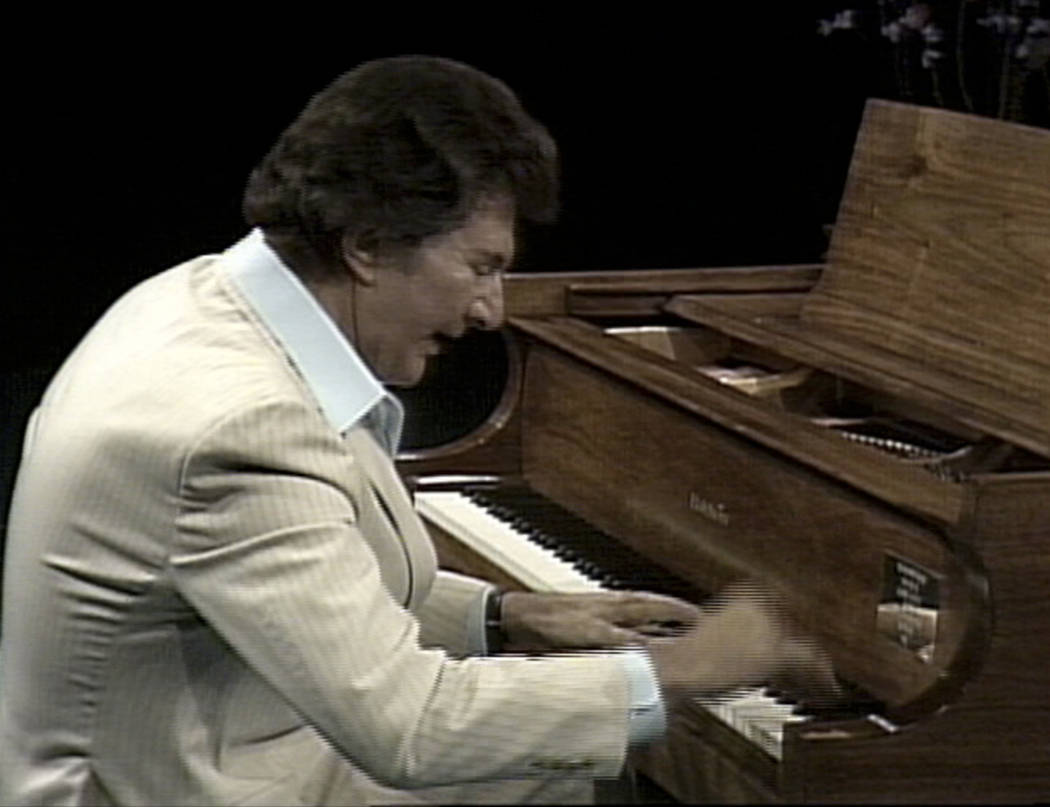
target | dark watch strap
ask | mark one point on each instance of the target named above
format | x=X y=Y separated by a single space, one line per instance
x=494 y=636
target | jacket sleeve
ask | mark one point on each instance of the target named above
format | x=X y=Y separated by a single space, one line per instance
x=453 y=615
x=267 y=550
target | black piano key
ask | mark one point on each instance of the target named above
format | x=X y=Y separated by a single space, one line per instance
x=593 y=552
x=852 y=703
x=548 y=528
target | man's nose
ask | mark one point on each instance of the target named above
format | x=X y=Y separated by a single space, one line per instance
x=486 y=311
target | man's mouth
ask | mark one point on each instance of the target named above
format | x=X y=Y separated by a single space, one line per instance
x=441 y=343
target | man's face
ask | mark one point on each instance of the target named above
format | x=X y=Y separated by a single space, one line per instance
x=434 y=293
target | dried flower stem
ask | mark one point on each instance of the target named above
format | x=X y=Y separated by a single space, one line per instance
x=960 y=65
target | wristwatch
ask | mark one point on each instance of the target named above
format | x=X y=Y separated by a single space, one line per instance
x=494 y=636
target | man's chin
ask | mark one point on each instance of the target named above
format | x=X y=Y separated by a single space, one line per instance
x=409 y=377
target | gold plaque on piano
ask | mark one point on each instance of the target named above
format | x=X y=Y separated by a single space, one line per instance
x=907 y=612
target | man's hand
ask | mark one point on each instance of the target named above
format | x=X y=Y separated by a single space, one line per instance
x=544 y=622
x=743 y=639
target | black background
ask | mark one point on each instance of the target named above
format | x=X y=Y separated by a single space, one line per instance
x=713 y=134
x=716 y=137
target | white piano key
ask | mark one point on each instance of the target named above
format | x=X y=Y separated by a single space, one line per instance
x=756 y=715
x=536 y=567
x=768 y=732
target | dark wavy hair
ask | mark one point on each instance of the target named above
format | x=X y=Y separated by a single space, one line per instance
x=400 y=149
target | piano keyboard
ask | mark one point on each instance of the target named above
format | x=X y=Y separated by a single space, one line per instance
x=580 y=559
x=536 y=567
x=757 y=714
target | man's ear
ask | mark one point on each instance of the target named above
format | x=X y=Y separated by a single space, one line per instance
x=359 y=257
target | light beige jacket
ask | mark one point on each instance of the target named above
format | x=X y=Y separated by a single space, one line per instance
x=204 y=578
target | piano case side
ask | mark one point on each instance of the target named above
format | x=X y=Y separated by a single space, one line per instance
x=592 y=443
x=988 y=747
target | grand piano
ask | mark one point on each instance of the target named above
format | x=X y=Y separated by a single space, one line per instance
x=869 y=436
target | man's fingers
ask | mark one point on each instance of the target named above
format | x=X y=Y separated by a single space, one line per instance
x=662 y=629
x=599 y=634
x=808 y=671
x=644 y=608
x=592 y=620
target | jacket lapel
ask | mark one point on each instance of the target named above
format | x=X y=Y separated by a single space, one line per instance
x=406 y=555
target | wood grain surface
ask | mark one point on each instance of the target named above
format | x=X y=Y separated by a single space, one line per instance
x=941 y=253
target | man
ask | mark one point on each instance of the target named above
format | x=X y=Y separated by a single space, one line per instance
x=217 y=591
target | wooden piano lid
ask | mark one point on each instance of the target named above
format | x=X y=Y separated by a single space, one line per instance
x=938 y=272
x=941 y=254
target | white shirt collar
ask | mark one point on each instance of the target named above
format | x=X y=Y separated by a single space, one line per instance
x=336 y=374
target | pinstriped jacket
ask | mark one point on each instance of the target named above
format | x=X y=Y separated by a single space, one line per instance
x=209 y=586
